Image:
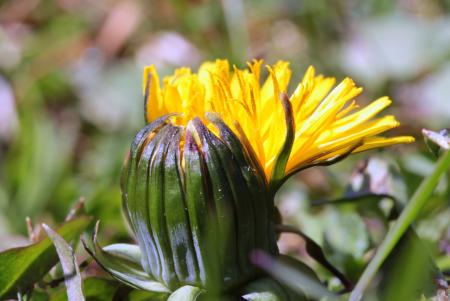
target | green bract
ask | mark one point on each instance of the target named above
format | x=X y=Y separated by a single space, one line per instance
x=197 y=202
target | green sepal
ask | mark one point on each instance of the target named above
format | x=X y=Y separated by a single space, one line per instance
x=130 y=165
x=265 y=237
x=241 y=197
x=138 y=204
x=186 y=293
x=175 y=212
x=123 y=265
x=198 y=213
x=156 y=207
x=199 y=205
x=125 y=251
x=123 y=187
x=279 y=168
x=139 y=139
x=243 y=153
x=223 y=203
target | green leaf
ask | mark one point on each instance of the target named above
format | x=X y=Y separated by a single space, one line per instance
x=186 y=293
x=126 y=270
x=99 y=289
x=315 y=251
x=412 y=262
x=296 y=278
x=346 y=232
x=39 y=295
x=21 y=267
x=69 y=265
x=95 y=289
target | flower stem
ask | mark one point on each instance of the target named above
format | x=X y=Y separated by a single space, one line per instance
x=408 y=215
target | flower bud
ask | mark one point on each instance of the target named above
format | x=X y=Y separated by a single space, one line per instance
x=197 y=201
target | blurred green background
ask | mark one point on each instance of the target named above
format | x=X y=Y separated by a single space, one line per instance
x=70 y=103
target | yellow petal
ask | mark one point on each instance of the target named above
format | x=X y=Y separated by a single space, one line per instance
x=328 y=121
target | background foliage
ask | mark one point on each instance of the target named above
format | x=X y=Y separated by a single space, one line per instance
x=70 y=104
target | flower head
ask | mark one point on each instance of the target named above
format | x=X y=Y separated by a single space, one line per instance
x=327 y=121
x=199 y=183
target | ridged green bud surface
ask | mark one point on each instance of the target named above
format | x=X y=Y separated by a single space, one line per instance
x=197 y=202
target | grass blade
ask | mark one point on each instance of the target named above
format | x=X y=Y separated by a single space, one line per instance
x=405 y=219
